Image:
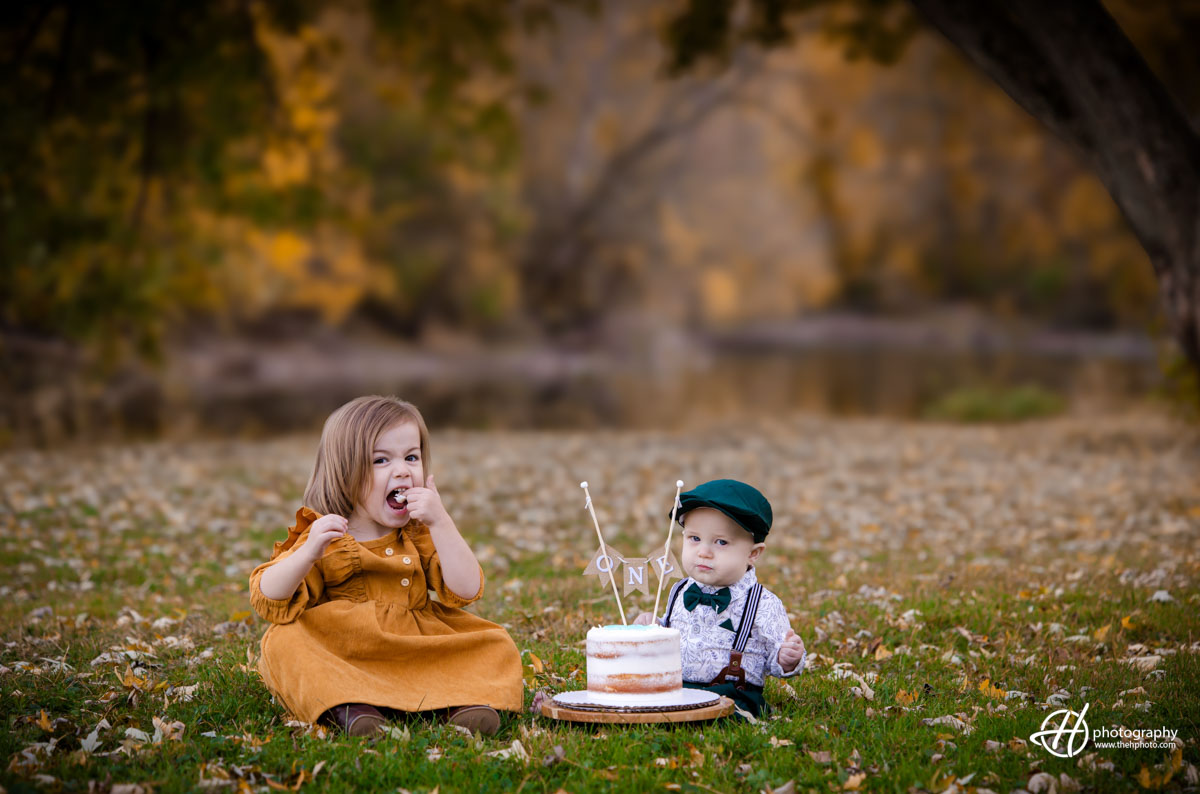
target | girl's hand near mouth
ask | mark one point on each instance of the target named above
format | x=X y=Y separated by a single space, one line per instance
x=425 y=505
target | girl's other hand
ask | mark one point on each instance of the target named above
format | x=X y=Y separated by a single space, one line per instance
x=324 y=531
x=425 y=504
x=644 y=619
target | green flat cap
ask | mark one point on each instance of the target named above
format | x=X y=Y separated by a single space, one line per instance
x=742 y=503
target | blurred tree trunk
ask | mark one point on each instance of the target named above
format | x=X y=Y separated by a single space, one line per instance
x=572 y=270
x=562 y=284
x=1069 y=65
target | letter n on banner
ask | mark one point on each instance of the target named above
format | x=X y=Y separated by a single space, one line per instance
x=637 y=577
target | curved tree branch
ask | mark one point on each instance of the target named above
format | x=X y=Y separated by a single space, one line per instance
x=1069 y=64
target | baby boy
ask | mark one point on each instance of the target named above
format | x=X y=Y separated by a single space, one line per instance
x=733 y=632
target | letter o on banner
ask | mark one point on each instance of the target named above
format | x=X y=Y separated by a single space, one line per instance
x=603 y=566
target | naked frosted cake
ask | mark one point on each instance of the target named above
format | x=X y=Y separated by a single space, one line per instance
x=627 y=665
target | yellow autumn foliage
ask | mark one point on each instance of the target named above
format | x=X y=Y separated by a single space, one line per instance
x=285 y=251
x=1086 y=207
x=720 y=295
x=819 y=180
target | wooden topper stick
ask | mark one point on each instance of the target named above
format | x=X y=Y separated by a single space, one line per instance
x=666 y=552
x=604 y=550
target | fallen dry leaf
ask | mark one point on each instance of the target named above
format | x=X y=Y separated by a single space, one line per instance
x=1042 y=783
x=137 y=735
x=991 y=691
x=1162 y=773
x=950 y=721
x=167 y=731
x=516 y=751
x=1143 y=663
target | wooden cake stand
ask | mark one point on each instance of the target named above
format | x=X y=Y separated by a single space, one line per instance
x=641 y=716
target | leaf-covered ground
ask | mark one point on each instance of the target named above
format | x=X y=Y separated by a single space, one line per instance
x=954 y=586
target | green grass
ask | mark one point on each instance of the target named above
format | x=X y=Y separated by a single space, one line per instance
x=983 y=404
x=984 y=623
x=879 y=736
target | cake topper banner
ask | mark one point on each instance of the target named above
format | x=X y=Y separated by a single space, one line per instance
x=605 y=562
x=638 y=571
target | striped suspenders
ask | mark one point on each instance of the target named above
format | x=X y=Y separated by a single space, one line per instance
x=733 y=673
x=676 y=589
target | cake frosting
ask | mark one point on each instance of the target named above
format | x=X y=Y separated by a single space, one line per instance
x=633 y=664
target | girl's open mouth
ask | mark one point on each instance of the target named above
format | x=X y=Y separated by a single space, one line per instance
x=397 y=500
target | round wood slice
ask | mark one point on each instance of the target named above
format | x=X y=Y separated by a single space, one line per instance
x=722 y=708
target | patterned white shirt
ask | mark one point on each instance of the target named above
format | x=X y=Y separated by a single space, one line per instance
x=705 y=644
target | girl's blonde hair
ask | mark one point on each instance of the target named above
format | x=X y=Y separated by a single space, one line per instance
x=343 y=466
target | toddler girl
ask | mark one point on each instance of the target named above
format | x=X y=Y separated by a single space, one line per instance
x=354 y=629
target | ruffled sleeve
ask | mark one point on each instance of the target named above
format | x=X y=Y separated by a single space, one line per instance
x=310 y=589
x=305 y=516
x=431 y=564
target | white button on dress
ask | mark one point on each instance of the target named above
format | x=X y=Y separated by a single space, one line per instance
x=408 y=560
x=404 y=582
x=389 y=552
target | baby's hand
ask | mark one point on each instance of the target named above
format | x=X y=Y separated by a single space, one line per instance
x=791 y=651
x=425 y=504
x=644 y=619
x=324 y=531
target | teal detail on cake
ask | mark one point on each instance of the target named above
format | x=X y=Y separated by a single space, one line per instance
x=632 y=627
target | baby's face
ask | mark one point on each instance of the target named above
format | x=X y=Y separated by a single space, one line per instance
x=716 y=551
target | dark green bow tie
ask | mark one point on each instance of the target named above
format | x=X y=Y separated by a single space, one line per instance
x=694 y=595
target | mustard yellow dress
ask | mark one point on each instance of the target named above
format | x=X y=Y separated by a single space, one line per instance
x=362 y=628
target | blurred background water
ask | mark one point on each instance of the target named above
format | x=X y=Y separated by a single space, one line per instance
x=840 y=366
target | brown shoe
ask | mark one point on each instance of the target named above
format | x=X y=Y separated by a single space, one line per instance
x=356 y=719
x=476 y=719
